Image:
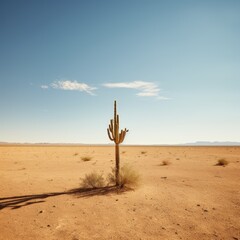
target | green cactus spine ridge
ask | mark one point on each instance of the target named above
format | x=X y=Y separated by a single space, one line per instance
x=117 y=137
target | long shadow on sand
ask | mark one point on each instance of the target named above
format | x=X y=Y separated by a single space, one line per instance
x=16 y=202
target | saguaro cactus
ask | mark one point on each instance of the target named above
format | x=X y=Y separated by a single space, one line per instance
x=118 y=138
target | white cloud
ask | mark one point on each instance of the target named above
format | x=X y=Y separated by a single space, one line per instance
x=73 y=86
x=146 y=89
x=44 y=87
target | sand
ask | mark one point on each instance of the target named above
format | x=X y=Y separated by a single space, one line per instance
x=191 y=198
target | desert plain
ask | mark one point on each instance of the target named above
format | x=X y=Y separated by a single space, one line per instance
x=189 y=198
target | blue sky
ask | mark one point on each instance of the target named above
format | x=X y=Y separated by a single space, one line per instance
x=173 y=67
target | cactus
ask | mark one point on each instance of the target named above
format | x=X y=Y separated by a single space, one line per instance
x=118 y=138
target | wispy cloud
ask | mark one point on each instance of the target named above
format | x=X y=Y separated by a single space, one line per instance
x=44 y=86
x=71 y=86
x=146 y=89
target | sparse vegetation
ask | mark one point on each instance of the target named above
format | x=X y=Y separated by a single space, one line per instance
x=143 y=152
x=93 y=180
x=75 y=154
x=86 y=158
x=222 y=162
x=128 y=177
x=165 y=162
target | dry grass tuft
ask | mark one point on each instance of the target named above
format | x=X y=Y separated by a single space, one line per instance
x=93 y=180
x=165 y=163
x=75 y=154
x=128 y=177
x=86 y=158
x=222 y=162
x=143 y=152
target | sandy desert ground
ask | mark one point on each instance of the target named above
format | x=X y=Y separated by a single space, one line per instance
x=191 y=198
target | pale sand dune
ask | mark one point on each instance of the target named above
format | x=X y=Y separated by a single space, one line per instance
x=189 y=199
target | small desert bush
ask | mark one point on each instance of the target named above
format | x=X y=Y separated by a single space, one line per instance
x=75 y=154
x=86 y=158
x=222 y=162
x=165 y=162
x=93 y=180
x=143 y=152
x=127 y=175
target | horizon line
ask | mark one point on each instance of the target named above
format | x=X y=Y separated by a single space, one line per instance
x=197 y=143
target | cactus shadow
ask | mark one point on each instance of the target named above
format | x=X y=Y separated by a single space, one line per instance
x=91 y=192
x=16 y=202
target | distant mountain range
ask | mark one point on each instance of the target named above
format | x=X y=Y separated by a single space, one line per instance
x=206 y=143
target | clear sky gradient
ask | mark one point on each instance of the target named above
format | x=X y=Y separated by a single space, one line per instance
x=173 y=67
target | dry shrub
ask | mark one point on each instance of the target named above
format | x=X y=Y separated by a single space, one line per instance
x=143 y=152
x=86 y=158
x=165 y=162
x=93 y=180
x=127 y=175
x=222 y=162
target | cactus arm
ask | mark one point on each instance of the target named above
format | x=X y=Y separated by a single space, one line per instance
x=109 y=135
x=125 y=132
x=112 y=129
x=111 y=123
x=121 y=136
x=109 y=127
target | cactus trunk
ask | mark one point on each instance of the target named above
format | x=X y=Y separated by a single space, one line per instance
x=117 y=157
x=118 y=138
